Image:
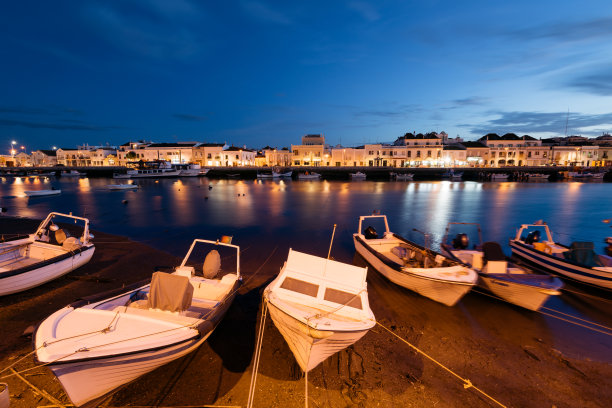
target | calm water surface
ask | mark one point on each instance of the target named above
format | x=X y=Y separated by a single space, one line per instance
x=169 y=213
x=263 y=215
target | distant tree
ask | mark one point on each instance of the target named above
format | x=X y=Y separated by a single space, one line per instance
x=409 y=134
x=510 y=135
x=130 y=156
x=490 y=136
x=431 y=135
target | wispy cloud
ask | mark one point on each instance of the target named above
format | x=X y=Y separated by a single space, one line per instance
x=541 y=122
x=264 y=13
x=365 y=10
x=189 y=117
x=597 y=83
x=595 y=29
x=391 y=111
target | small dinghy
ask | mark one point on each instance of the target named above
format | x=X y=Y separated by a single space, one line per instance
x=357 y=176
x=45 y=255
x=412 y=266
x=122 y=186
x=94 y=346
x=506 y=280
x=320 y=306
x=401 y=176
x=41 y=193
x=578 y=261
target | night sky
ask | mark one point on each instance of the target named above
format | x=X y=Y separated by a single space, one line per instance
x=262 y=73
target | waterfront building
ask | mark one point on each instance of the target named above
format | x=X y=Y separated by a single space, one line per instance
x=476 y=154
x=73 y=157
x=347 y=156
x=238 y=156
x=208 y=154
x=44 y=158
x=454 y=155
x=574 y=155
x=276 y=157
x=311 y=152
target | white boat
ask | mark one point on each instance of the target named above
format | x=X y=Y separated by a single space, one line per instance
x=509 y=281
x=401 y=176
x=578 y=261
x=72 y=173
x=412 y=266
x=309 y=175
x=538 y=176
x=4 y=395
x=357 y=176
x=320 y=306
x=499 y=176
x=150 y=170
x=122 y=186
x=40 y=193
x=274 y=174
x=94 y=346
x=453 y=175
x=190 y=170
x=46 y=255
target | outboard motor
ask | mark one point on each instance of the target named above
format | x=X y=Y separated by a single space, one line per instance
x=533 y=236
x=609 y=247
x=461 y=241
x=370 y=233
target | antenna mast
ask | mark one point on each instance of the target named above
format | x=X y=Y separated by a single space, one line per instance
x=566 y=121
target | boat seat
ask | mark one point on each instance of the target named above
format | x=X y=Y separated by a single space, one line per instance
x=497 y=267
x=212 y=264
x=213 y=289
x=71 y=244
x=169 y=292
x=60 y=236
x=493 y=252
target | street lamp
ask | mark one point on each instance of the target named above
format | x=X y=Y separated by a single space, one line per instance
x=13 y=143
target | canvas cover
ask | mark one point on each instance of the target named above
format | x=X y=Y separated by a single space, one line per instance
x=582 y=253
x=170 y=292
x=320 y=269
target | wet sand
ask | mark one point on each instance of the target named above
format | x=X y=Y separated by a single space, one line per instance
x=520 y=358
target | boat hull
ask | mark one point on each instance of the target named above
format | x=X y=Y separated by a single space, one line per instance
x=52 y=270
x=87 y=381
x=310 y=346
x=445 y=292
x=530 y=297
x=561 y=266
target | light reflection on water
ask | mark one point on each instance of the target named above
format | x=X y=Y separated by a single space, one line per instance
x=188 y=207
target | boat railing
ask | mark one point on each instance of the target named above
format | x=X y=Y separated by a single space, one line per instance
x=364 y=217
x=524 y=227
x=84 y=238
x=217 y=242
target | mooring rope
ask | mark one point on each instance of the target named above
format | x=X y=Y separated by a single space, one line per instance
x=466 y=383
x=608 y=332
x=262 y=324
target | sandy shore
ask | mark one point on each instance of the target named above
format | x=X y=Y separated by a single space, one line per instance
x=520 y=358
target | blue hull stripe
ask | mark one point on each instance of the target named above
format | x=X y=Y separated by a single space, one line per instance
x=559 y=264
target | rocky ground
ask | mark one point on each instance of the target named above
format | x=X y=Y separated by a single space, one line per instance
x=519 y=358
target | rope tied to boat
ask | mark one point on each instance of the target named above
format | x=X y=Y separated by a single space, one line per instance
x=466 y=382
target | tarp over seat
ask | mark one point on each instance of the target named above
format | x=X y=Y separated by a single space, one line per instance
x=582 y=253
x=170 y=292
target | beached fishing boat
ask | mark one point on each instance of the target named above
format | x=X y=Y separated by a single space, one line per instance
x=357 y=176
x=412 y=266
x=41 y=193
x=577 y=261
x=497 y=274
x=320 y=306
x=45 y=255
x=94 y=346
x=309 y=175
x=538 y=176
x=401 y=176
x=122 y=186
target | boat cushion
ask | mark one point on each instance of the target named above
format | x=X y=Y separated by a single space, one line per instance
x=400 y=252
x=71 y=244
x=60 y=236
x=170 y=292
x=493 y=252
x=213 y=289
x=212 y=264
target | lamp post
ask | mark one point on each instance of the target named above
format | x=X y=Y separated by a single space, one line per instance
x=13 y=143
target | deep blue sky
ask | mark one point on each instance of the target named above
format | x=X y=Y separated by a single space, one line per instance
x=266 y=72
